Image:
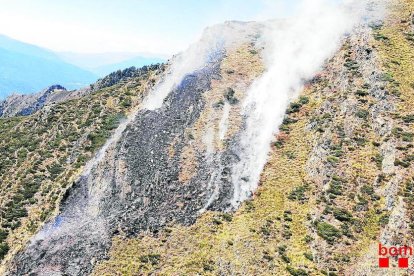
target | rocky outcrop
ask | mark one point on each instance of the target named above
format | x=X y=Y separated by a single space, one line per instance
x=23 y=105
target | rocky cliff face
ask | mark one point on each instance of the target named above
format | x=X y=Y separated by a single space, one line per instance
x=159 y=196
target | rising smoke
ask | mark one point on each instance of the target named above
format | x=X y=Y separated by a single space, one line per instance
x=196 y=56
x=296 y=49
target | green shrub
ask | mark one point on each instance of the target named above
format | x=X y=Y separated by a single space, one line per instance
x=360 y=141
x=218 y=104
x=363 y=114
x=366 y=86
x=267 y=257
x=335 y=187
x=249 y=205
x=378 y=158
x=298 y=193
x=384 y=219
x=294 y=107
x=387 y=77
x=408 y=119
x=3 y=235
x=297 y=272
x=288 y=121
x=407 y=136
x=127 y=102
x=351 y=64
x=333 y=159
x=366 y=189
x=328 y=232
x=401 y=163
x=287 y=216
x=342 y=214
x=229 y=96
x=55 y=170
x=308 y=239
x=227 y=217
x=152 y=259
x=4 y=248
x=380 y=37
x=303 y=100
x=282 y=252
x=361 y=93
x=278 y=144
x=308 y=256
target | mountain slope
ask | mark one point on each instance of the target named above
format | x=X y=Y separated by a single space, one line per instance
x=42 y=153
x=338 y=181
x=23 y=105
x=142 y=175
x=106 y=199
x=26 y=69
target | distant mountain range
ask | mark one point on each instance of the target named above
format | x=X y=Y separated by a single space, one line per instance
x=26 y=68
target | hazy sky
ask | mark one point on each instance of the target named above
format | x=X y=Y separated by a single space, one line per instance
x=149 y=26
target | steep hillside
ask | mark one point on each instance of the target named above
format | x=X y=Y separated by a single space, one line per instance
x=138 y=180
x=43 y=152
x=152 y=171
x=25 y=68
x=338 y=180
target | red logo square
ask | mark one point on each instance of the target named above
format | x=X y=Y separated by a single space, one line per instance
x=384 y=262
x=403 y=262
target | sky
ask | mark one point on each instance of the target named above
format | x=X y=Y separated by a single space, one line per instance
x=151 y=27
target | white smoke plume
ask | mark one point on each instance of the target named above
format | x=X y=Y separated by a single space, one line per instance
x=99 y=156
x=295 y=50
x=196 y=56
